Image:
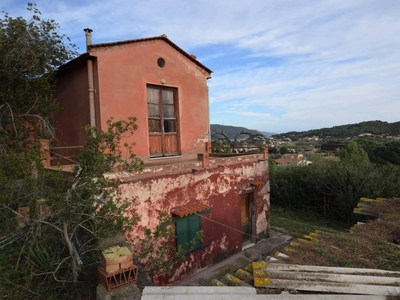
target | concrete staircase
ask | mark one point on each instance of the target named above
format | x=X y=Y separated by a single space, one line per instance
x=287 y=280
x=240 y=278
x=252 y=275
x=274 y=278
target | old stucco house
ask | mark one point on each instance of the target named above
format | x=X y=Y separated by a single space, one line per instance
x=165 y=88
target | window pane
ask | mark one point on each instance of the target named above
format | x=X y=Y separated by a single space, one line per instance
x=186 y=229
x=153 y=110
x=162 y=120
x=167 y=97
x=169 y=126
x=181 y=233
x=154 y=125
x=153 y=95
x=168 y=111
x=194 y=227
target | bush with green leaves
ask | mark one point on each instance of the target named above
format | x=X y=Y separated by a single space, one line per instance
x=53 y=251
x=333 y=188
x=30 y=53
x=56 y=252
x=156 y=252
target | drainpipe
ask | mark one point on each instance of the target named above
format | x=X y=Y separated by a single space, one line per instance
x=208 y=145
x=91 y=90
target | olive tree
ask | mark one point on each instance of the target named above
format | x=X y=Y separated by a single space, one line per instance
x=30 y=53
x=51 y=246
x=69 y=213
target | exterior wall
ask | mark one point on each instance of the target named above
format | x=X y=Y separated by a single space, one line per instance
x=219 y=186
x=72 y=97
x=125 y=69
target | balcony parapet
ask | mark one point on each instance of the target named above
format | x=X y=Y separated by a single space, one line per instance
x=204 y=161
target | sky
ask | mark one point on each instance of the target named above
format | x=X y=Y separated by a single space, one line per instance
x=278 y=66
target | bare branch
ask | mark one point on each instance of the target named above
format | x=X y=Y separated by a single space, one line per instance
x=71 y=252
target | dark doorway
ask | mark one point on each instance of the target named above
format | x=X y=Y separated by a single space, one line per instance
x=247 y=213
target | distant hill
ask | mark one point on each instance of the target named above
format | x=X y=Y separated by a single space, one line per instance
x=268 y=134
x=230 y=131
x=344 y=131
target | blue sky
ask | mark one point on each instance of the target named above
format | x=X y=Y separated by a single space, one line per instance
x=278 y=65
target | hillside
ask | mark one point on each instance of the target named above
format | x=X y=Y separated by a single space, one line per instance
x=229 y=131
x=344 y=131
x=267 y=134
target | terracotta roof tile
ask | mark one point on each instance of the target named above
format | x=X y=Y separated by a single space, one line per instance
x=189 y=209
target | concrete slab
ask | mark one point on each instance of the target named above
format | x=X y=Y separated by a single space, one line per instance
x=199 y=290
x=234 y=293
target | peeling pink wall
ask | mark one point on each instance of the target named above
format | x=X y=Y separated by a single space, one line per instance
x=218 y=187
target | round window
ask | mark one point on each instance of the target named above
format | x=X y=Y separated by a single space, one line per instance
x=161 y=62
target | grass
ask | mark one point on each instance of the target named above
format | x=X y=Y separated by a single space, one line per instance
x=298 y=224
x=371 y=245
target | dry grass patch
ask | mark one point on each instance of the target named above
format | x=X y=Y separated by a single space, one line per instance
x=371 y=245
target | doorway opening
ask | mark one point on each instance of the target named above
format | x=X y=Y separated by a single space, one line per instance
x=247 y=219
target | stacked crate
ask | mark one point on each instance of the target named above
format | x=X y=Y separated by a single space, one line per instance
x=117 y=268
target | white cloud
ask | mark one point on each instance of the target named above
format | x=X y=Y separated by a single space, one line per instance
x=279 y=65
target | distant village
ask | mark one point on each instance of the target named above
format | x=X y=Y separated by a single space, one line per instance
x=298 y=152
x=292 y=148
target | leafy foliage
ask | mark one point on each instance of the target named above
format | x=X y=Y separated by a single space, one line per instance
x=381 y=152
x=30 y=52
x=51 y=222
x=58 y=246
x=353 y=153
x=155 y=249
x=333 y=188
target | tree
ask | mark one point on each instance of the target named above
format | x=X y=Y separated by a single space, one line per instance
x=353 y=153
x=329 y=188
x=51 y=222
x=283 y=150
x=58 y=244
x=30 y=52
x=62 y=214
x=381 y=152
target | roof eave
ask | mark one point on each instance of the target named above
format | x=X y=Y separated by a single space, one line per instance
x=161 y=37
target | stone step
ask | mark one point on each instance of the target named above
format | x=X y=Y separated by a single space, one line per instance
x=216 y=282
x=249 y=268
x=243 y=274
x=260 y=278
x=234 y=281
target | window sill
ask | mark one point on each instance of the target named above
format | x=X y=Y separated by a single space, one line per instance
x=165 y=157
